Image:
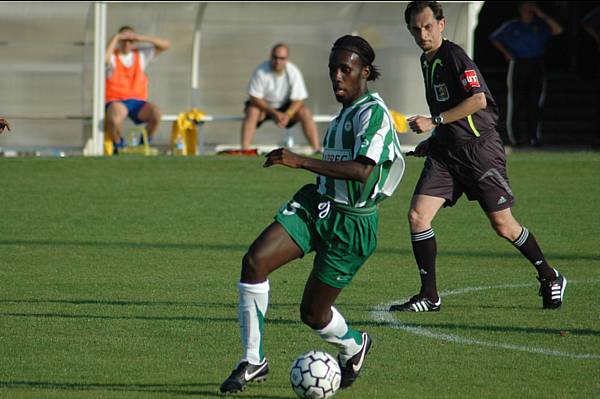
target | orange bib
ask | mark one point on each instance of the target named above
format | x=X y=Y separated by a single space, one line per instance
x=126 y=83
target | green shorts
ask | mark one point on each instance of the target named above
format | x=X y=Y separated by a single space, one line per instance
x=342 y=237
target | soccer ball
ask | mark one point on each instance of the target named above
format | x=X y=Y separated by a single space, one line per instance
x=315 y=374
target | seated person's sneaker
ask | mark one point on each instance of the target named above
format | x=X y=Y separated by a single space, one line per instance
x=418 y=303
x=243 y=374
x=552 y=291
x=119 y=144
x=351 y=369
x=141 y=140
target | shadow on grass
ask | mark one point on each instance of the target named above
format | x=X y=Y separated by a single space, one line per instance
x=50 y=315
x=128 y=245
x=239 y=247
x=203 y=305
x=177 y=389
x=493 y=254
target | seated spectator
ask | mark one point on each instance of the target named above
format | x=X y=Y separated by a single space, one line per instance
x=277 y=92
x=127 y=84
x=4 y=124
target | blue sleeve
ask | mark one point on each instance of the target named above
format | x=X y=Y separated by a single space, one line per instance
x=502 y=34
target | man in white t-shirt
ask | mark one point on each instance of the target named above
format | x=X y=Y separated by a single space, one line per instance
x=127 y=84
x=277 y=92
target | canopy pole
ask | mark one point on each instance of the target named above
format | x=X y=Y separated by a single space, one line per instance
x=195 y=87
x=99 y=76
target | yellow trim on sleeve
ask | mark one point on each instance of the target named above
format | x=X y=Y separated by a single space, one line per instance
x=472 y=125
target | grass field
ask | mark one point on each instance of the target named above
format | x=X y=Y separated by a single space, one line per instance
x=119 y=280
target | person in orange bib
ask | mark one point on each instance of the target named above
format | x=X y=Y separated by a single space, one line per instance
x=127 y=84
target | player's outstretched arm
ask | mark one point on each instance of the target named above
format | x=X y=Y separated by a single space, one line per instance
x=357 y=170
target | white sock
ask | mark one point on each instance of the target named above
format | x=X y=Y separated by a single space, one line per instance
x=254 y=300
x=338 y=333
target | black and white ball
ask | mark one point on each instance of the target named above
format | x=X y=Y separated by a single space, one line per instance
x=315 y=374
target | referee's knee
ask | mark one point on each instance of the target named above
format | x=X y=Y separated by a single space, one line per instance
x=504 y=230
x=417 y=221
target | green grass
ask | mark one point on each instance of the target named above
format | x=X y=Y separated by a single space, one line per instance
x=118 y=279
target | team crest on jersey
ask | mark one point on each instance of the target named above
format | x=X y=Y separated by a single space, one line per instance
x=441 y=92
x=347 y=125
x=469 y=79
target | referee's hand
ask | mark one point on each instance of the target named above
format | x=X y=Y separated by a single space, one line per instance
x=420 y=124
x=421 y=150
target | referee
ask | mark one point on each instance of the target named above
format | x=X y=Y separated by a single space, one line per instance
x=523 y=41
x=464 y=155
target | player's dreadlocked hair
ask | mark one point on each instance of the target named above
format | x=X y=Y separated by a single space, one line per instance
x=415 y=7
x=362 y=48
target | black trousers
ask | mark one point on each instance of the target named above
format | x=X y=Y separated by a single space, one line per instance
x=526 y=81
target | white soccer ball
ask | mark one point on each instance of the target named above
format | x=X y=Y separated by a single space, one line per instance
x=315 y=375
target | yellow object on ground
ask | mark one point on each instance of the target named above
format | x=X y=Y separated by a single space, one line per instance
x=184 y=133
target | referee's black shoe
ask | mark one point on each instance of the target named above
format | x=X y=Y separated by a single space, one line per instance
x=418 y=303
x=243 y=374
x=552 y=291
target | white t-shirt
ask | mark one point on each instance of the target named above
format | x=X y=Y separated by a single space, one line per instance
x=276 y=89
x=147 y=55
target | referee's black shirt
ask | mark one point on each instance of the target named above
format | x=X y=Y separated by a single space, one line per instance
x=451 y=77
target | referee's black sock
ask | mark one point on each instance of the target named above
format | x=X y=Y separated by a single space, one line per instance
x=529 y=247
x=425 y=250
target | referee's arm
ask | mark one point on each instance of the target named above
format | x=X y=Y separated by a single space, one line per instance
x=465 y=108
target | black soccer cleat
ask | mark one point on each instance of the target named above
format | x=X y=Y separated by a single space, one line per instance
x=418 y=303
x=552 y=291
x=353 y=366
x=243 y=374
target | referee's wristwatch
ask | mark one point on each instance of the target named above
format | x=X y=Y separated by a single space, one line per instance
x=438 y=120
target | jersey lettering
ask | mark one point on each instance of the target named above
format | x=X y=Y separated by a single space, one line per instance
x=336 y=155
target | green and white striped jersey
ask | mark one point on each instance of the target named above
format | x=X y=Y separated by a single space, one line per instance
x=363 y=128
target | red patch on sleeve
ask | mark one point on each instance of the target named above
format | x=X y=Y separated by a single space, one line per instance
x=469 y=79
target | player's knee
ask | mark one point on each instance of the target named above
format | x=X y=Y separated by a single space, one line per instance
x=157 y=113
x=115 y=119
x=251 y=268
x=311 y=318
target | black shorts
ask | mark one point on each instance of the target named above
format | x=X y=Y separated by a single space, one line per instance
x=477 y=169
x=283 y=108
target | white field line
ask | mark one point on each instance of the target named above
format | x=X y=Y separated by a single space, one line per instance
x=381 y=314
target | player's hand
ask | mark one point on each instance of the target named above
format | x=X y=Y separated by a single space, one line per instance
x=420 y=124
x=4 y=124
x=283 y=156
x=421 y=150
x=281 y=118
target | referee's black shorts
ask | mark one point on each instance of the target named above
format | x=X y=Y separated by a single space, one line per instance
x=477 y=169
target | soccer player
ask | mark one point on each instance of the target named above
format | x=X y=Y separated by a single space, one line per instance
x=337 y=218
x=464 y=155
